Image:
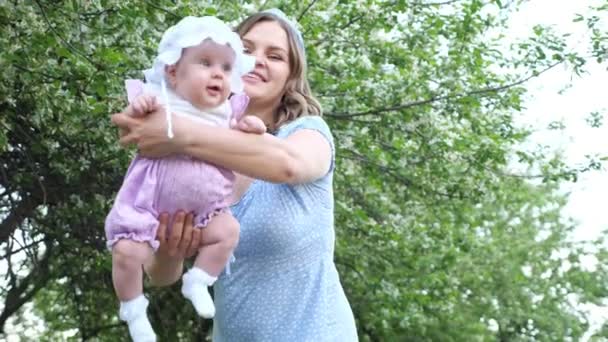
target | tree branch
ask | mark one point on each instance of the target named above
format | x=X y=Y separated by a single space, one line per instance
x=18 y=295
x=495 y=89
x=68 y=44
x=16 y=217
x=306 y=10
x=448 y=2
x=151 y=4
x=21 y=248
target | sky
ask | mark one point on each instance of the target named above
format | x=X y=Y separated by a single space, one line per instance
x=545 y=104
x=572 y=107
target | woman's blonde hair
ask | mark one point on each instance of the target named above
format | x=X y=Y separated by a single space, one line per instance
x=298 y=99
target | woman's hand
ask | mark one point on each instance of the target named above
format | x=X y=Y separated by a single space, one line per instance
x=149 y=133
x=167 y=264
x=183 y=241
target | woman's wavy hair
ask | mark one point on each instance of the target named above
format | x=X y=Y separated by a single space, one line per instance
x=297 y=100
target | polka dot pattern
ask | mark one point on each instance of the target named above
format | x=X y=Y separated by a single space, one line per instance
x=283 y=285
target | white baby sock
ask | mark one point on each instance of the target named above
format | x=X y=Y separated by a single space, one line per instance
x=194 y=287
x=134 y=313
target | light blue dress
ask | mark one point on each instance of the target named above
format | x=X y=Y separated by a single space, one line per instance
x=283 y=285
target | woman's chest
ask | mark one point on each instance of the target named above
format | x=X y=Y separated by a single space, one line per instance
x=276 y=220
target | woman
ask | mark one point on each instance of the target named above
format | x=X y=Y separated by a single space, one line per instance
x=283 y=285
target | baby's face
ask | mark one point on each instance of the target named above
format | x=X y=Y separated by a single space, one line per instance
x=202 y=75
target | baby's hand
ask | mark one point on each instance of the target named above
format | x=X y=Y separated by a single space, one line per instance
x=249 y=124
x=143 y=105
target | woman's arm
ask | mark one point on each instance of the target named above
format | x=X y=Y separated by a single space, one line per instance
x=303 y=156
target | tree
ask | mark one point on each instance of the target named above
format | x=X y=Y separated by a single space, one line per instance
x=438 y=237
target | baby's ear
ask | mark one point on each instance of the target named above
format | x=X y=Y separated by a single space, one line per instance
x=171 y=73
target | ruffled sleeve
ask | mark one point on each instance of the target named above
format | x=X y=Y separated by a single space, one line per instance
x=238 y=104
x=134 y=88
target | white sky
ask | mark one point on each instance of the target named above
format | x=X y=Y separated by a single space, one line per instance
x=545 y=105
x=586 y=95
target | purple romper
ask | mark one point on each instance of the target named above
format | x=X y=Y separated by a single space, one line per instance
x=154 y=186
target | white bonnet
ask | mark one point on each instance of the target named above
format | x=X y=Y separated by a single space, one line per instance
x=191 y=31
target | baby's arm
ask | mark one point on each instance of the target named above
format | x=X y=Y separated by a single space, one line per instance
x=242 y=122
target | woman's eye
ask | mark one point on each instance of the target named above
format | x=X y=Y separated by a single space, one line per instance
x=247 y=51
x=277 y=57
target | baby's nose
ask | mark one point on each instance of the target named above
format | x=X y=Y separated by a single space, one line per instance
x=217 y=71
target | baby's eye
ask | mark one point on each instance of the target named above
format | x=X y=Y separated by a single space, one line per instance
x=227 y=67
x=205 y=62
x=247 y=51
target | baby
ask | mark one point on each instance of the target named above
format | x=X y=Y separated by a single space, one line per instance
x=200 y=63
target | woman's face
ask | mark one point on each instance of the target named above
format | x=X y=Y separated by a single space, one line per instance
x=267 y=42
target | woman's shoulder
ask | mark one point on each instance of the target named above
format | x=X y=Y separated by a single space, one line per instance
x=314 y=122
x=306 y=119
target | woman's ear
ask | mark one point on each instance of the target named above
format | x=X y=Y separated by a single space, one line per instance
x=171 y=74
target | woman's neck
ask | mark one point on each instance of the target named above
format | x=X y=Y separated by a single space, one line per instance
x=264 y=112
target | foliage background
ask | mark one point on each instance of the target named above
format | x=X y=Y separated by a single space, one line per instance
x=439 y=237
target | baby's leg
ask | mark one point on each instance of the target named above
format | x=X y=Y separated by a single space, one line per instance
x=128 y=258
x=219 y=239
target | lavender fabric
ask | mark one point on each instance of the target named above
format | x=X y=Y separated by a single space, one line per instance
x=153 y=186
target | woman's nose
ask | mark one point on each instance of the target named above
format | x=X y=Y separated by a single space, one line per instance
x=260 y=58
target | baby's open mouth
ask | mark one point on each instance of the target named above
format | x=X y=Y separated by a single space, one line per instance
x=214 y=89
